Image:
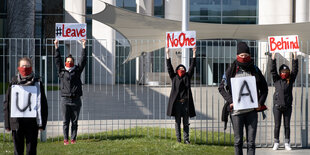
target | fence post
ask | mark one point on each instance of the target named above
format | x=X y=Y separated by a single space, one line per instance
x=43 y=133
x=304 y=133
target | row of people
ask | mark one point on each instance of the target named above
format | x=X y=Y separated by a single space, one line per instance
x=180 y=105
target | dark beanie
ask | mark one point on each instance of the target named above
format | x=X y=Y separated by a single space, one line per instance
x=242 y=47
x=283 y=67
x=180 y=65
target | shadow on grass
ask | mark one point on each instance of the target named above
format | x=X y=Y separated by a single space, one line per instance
x=197 y=137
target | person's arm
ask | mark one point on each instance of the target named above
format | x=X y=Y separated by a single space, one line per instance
x=58 y=60
x=44 y=107
x=263 y=88
x=274 y=72
x=223 y=90
x=6 y=108
x=169 y=65
x=191 y=69
x=294 y=71
x=83 y=60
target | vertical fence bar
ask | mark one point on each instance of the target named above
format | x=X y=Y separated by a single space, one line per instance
x=4 y=73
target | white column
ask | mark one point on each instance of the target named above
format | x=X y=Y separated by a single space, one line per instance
x=173 y=10
x=145 y=7
x=275 y=11
x=74 y=9
x=185 y=20
x=302 y=11
x=103 y=66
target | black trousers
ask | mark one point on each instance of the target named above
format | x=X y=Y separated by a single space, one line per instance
x=27 y=130
x=70 y=112
x=278 y=113
x=181 y=111
x=249 y=121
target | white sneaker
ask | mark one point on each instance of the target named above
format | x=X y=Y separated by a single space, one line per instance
x=287 y=146
x=275 y=146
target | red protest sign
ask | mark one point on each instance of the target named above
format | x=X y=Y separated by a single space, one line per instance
x=70 y=31
x=185 y=39
x=283 y=43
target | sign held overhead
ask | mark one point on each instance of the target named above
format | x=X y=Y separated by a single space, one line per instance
x=70 y=31
x=288 y=43
x=181 y=39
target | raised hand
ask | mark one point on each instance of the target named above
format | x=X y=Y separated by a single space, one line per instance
x=167 y=53
x=273 y=56
x=194 y=52
x=56 y=44
x=295 y=55
x=83 y=43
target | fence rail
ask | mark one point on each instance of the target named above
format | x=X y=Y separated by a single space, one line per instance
x=134 y=94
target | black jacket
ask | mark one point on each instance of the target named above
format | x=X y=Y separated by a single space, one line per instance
x=13 y=123
x=225 y=88
x=70 y=82
x=283 y=93
x=175 y=81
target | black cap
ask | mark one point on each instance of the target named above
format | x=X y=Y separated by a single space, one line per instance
x=180 y=65
x=242 y=47
x=283 y=67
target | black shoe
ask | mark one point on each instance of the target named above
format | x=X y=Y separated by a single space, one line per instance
x=187 y=142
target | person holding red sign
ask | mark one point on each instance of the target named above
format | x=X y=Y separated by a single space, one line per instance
x=243 y=66
x=181 y=103
x=283 y=98
x=71 y=90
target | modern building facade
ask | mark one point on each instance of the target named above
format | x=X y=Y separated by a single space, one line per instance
x=151 y=66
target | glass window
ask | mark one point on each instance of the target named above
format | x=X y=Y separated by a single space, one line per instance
x=3 y=6
x=239 y=20
x=158 y=60
x=2 y=27
x=201 y=8
x=127 y=4
x=237 y=8
x=159 y=8
x=124 y=72
x=224 y=11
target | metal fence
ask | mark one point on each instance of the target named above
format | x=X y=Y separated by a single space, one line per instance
x=134 y=94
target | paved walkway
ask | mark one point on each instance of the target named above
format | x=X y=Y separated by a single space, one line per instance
x=281 y=151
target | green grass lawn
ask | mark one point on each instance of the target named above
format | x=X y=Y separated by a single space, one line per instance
x=132 y=141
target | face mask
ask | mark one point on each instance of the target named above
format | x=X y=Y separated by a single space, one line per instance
x=68 y=64
x=285 y=75
x=181 y=73
x=25 y=71
x=243 y=60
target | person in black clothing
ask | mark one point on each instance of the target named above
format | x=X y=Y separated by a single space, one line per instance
x=243 y=66
x=25 y=127
x=282 y=98
x=181 y=102
x=71 y=90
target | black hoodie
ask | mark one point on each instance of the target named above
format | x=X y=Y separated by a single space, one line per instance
x=176 y=81
x=283 y=93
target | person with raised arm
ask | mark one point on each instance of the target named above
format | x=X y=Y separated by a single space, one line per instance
x=181 y=103
x=71 y=90
x=283 y=98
